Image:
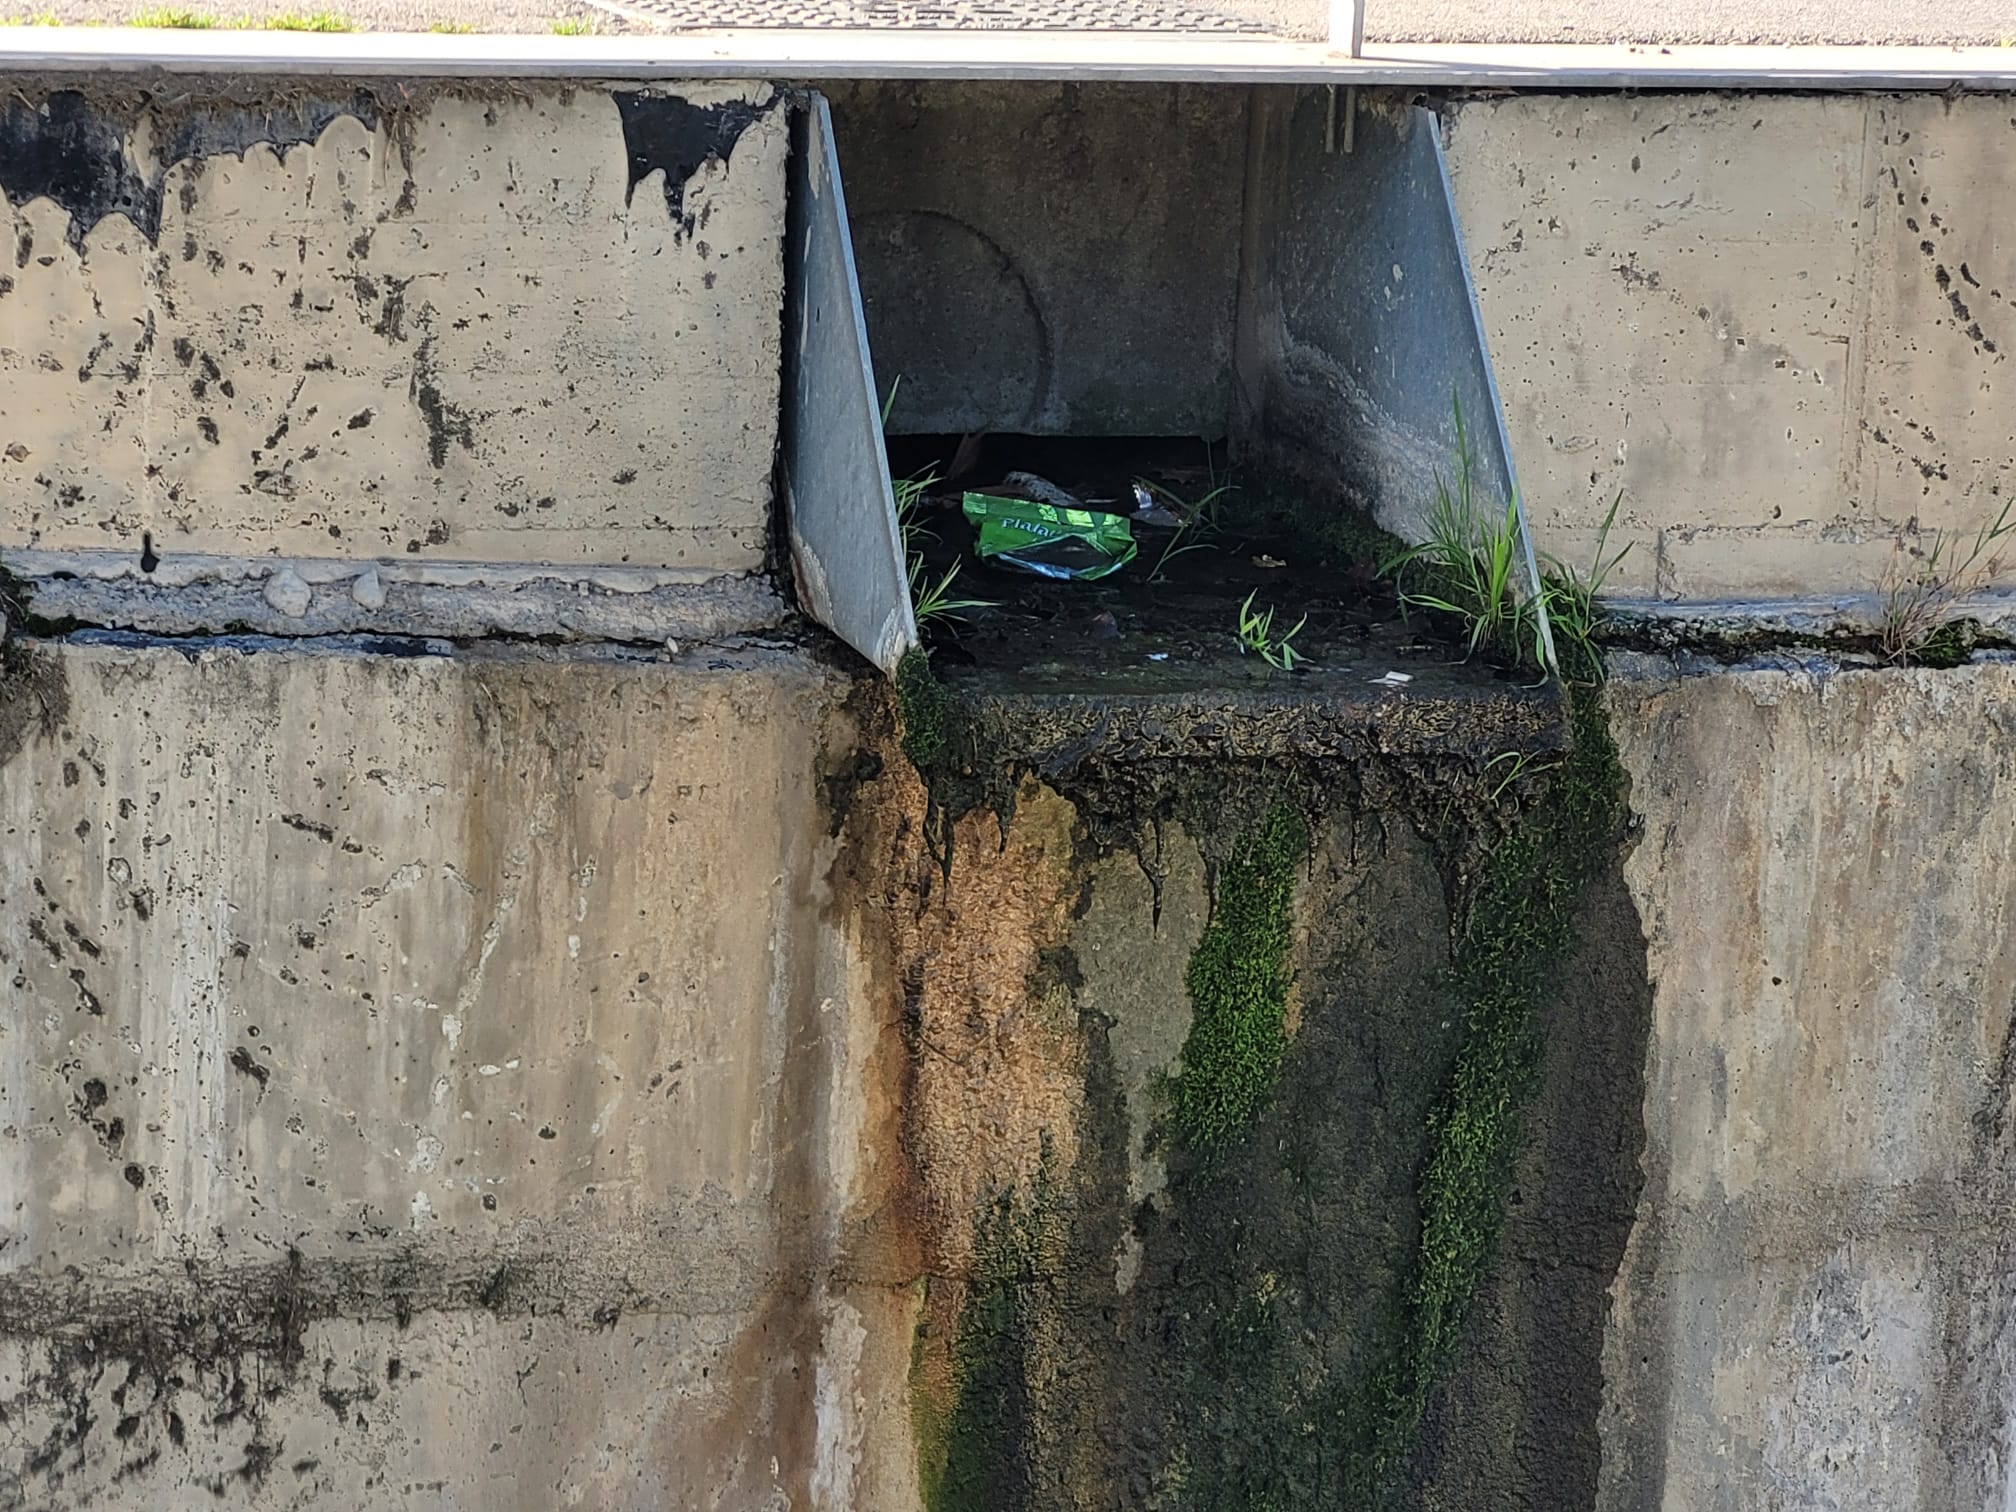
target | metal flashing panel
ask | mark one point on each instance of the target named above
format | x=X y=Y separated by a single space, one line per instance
x=840 y=509
x=1374 y=372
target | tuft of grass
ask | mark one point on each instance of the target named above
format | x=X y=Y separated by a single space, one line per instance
x=164 y=19
x=316 y=21
x=1574 y=610
x=1470 y=565
x=1238 y=981
x=1257 y=637
x=1920 y=616
x=453 y=28
x=42 y=18
x=576 y=26
x=928 y=600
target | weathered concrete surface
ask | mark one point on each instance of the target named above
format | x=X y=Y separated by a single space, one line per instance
x=517 y=325
x=1813 y=1308
x=1779 y=325
x=433 y=1082
x=1047 y=258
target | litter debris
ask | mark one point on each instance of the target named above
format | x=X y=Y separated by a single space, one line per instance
x=1158 y=656
x=1050 y=540
x=1042 y=490
x=1264 y=560
x=1393 y=680
x=1148 y=512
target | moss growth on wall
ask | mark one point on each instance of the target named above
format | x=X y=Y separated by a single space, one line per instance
x=923 y=710
x=1238 y=983
x=973 y=1452
x=1517 y=932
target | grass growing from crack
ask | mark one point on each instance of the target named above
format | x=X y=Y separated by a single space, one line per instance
x=1574 y=602
x=1238 y=981
x=575 y=26
x=1196 y=520
x=1472 y=564
x=1920 y=620
x=1472 y=568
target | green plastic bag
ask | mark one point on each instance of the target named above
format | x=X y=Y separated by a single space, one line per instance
x=1053 y=542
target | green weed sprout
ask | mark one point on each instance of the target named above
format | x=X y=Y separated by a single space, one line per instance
x=1256 y=635
x=1195 y=519
x=928 y=600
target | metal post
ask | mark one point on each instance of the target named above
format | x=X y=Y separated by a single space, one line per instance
x=1347 y=27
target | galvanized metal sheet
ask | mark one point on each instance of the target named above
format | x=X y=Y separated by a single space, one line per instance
x=1379 y=346
x=840 y=510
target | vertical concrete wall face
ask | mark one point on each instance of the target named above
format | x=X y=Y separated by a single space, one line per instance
x=1053 y=259
x=1780 y=326
x=525 y=325
x=1814 y=1307
x=428 y=1082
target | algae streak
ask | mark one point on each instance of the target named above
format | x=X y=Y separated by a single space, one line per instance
x=972 y=1451
x=1518 y=930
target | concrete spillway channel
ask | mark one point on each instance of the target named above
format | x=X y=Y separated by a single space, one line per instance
x=535 y=977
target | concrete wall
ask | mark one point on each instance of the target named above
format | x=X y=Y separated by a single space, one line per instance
x=1047 y=258
x=430 y=1081
x=1780 y=325
x=1813 y=1309
x=510 y=326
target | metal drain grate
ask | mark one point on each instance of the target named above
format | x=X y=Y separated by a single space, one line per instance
x=925 y=15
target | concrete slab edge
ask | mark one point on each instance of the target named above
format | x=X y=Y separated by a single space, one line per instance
x=307 y=597
x=863 y=54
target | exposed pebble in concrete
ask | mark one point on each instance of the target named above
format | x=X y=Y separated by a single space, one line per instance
x=286 y=592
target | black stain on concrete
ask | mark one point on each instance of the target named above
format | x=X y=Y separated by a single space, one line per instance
x=307 y=826
x=244 y=1064
x=74 y=150
x=679 y=137
x=445 y=421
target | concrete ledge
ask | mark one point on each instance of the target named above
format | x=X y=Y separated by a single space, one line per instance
x=328 y=596
x=1077 y=56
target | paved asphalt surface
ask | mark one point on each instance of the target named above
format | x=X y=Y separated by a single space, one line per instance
x=1899 y=22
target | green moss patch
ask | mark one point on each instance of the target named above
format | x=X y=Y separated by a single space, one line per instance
x=1238 y=983
x=923 y=710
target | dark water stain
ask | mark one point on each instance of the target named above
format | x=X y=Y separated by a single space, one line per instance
x=679 y=137
x=75 y=151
